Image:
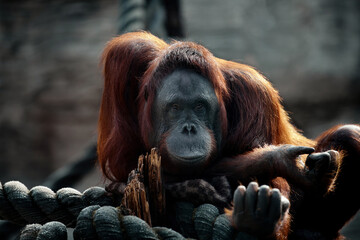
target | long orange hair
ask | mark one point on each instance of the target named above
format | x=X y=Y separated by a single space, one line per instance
x=134 y=65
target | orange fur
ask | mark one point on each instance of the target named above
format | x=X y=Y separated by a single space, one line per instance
x=252 y=117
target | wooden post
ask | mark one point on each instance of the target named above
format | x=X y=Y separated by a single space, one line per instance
x=155 y=186
x=135 y=198
x=144 y=194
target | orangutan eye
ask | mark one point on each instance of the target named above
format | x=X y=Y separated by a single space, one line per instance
x=200 y=107
x=175 y=107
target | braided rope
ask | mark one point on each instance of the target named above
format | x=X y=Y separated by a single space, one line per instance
x=205 y=222
x=40 y=205
x=94 y=216
x=95 y=222
x=48 y=231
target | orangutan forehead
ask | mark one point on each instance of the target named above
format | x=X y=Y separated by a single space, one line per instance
x=186 y=84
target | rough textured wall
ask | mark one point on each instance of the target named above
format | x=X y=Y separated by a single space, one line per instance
x=50 y=81
x=310 y=50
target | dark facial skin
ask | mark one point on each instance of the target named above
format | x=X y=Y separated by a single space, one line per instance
x=186 y=122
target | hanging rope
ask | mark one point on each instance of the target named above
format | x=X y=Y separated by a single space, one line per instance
x=132 y=15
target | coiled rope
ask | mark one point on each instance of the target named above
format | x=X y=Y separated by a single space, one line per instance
x=94 y=216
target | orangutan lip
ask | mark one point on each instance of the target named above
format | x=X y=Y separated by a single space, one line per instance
x=188 y=159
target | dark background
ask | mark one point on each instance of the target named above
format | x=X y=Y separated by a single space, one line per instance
x=50 y=78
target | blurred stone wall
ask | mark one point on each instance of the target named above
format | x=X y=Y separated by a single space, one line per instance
x=309 y=50
x=50 y=80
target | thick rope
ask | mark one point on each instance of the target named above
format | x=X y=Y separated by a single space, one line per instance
x=94 y=216
x=95 y=222
x=40 y=205
x=205 y=222
x=49 y=231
